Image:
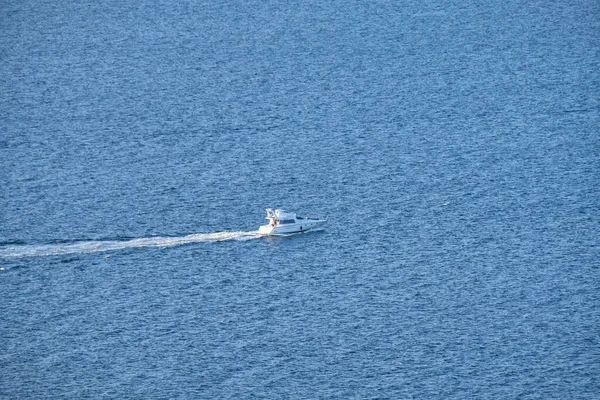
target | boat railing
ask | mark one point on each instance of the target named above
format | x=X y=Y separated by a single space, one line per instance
x=283 y=215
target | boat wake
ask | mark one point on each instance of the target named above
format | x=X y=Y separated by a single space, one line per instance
x=97 y=246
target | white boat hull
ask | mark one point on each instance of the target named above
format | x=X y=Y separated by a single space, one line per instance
x=301 y=225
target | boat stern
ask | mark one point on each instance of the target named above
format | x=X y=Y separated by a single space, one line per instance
x=265 y=229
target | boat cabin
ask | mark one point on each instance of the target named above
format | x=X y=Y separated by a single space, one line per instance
x=280 y=217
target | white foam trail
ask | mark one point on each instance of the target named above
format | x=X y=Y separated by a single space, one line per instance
x=98 y=246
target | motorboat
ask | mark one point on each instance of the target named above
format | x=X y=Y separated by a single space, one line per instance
x=284 y=223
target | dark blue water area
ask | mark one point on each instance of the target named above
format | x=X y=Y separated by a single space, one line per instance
x=454 y=147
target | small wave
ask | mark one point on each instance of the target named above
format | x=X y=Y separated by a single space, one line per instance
x=97 y=246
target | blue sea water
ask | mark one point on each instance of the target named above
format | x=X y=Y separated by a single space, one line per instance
x=454 y=147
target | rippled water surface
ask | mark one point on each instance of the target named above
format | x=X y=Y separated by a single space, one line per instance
x=453 y=146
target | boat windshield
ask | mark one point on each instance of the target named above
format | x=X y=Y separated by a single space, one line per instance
x=286 y=221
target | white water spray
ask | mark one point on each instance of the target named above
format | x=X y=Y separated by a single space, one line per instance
x=97 y=246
